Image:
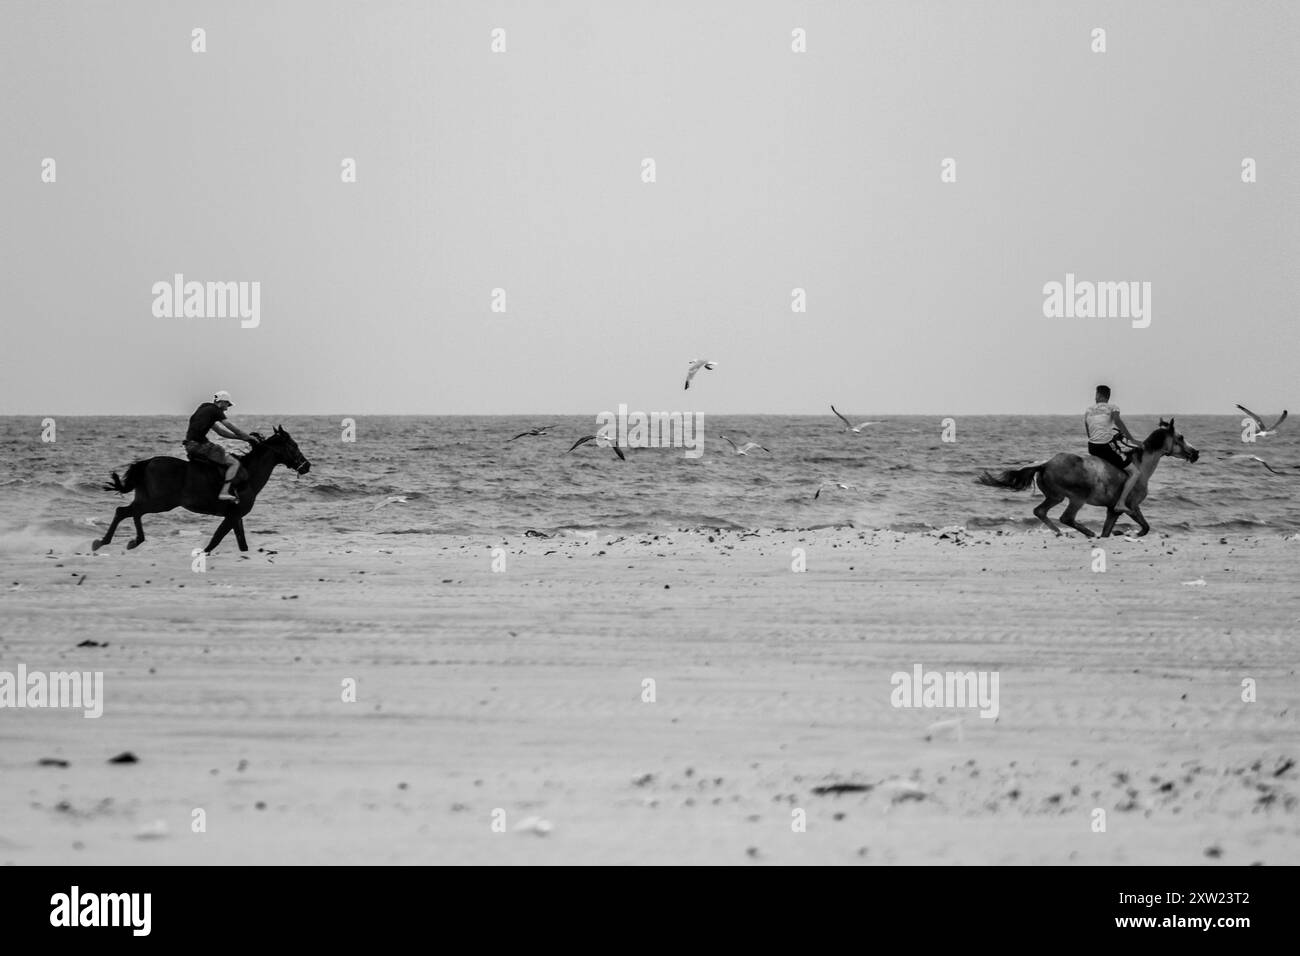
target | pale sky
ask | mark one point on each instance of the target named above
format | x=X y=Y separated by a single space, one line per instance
x=522 y=170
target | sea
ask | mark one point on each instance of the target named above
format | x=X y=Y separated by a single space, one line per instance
x=414 y=476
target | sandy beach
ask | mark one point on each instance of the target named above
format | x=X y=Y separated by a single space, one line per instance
x=521 y=690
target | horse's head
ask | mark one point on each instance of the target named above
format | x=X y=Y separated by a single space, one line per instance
x=286 y=452
x=1167 y=438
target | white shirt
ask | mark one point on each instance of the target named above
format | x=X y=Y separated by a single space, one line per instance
x=1101 y=424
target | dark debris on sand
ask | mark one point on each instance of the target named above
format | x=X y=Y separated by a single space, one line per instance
x=842 y=788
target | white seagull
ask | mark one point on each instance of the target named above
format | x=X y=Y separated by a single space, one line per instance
x=601 y=442
x=746 y=448
x=834 y=484
x=391 y=499
x=1244 y=458
x=849 y=426
x=1263 y=431
x=537 y=430
x=695 y=365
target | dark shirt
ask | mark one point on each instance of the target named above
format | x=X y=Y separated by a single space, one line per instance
x=207 y=415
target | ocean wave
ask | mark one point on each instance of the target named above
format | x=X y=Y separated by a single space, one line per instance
x=73 y=485
x=451 y=480
x=840 y=459
x=1000 y=521
x=1234 y=524
x=331 y=490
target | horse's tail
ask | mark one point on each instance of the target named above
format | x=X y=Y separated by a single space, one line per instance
x=133 y=475
x=1017 y=479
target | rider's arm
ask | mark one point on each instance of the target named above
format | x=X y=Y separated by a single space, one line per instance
x=229 y=429
x=1123 y=429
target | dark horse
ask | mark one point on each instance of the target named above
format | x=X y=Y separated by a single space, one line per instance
x=1088 y=480
x=163 y=483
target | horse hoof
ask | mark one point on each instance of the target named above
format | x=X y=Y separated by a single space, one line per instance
x=132 y=544
x=96 y=544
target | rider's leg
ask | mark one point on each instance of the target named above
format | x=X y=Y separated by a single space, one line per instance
x=232 y=469
x=1121 y=504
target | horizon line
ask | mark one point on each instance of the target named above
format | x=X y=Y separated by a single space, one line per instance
x=553 y=414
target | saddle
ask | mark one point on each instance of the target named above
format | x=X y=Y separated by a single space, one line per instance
x=203 y=471
x=1126 y=454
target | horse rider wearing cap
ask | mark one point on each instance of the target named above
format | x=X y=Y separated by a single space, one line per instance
x=210 y=415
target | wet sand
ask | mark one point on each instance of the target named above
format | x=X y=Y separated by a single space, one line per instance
x=521 y=691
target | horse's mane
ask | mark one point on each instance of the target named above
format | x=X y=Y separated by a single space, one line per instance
x=1151 y=442
x=240 y=456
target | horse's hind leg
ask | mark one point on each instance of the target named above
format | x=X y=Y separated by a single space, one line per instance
x=123 y=512
x=1048 y=504
x=139 y=532
x=226 y=524
x=1067 y=517
x=1111 y=516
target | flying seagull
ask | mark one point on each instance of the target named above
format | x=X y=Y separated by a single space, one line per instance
x=849 y=426
x=537 y=430
x=601 y=442
x=1263 y=431
x=1240 y=458
x=695 y=365
x=746 y=448
x=833 y=484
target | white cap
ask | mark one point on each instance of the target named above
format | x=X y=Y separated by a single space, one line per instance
x=222 y=397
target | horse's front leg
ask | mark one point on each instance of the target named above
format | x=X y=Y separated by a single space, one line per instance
x=226 y=524
x=1111 y=517
x=1136 y=512
x=239 y=533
